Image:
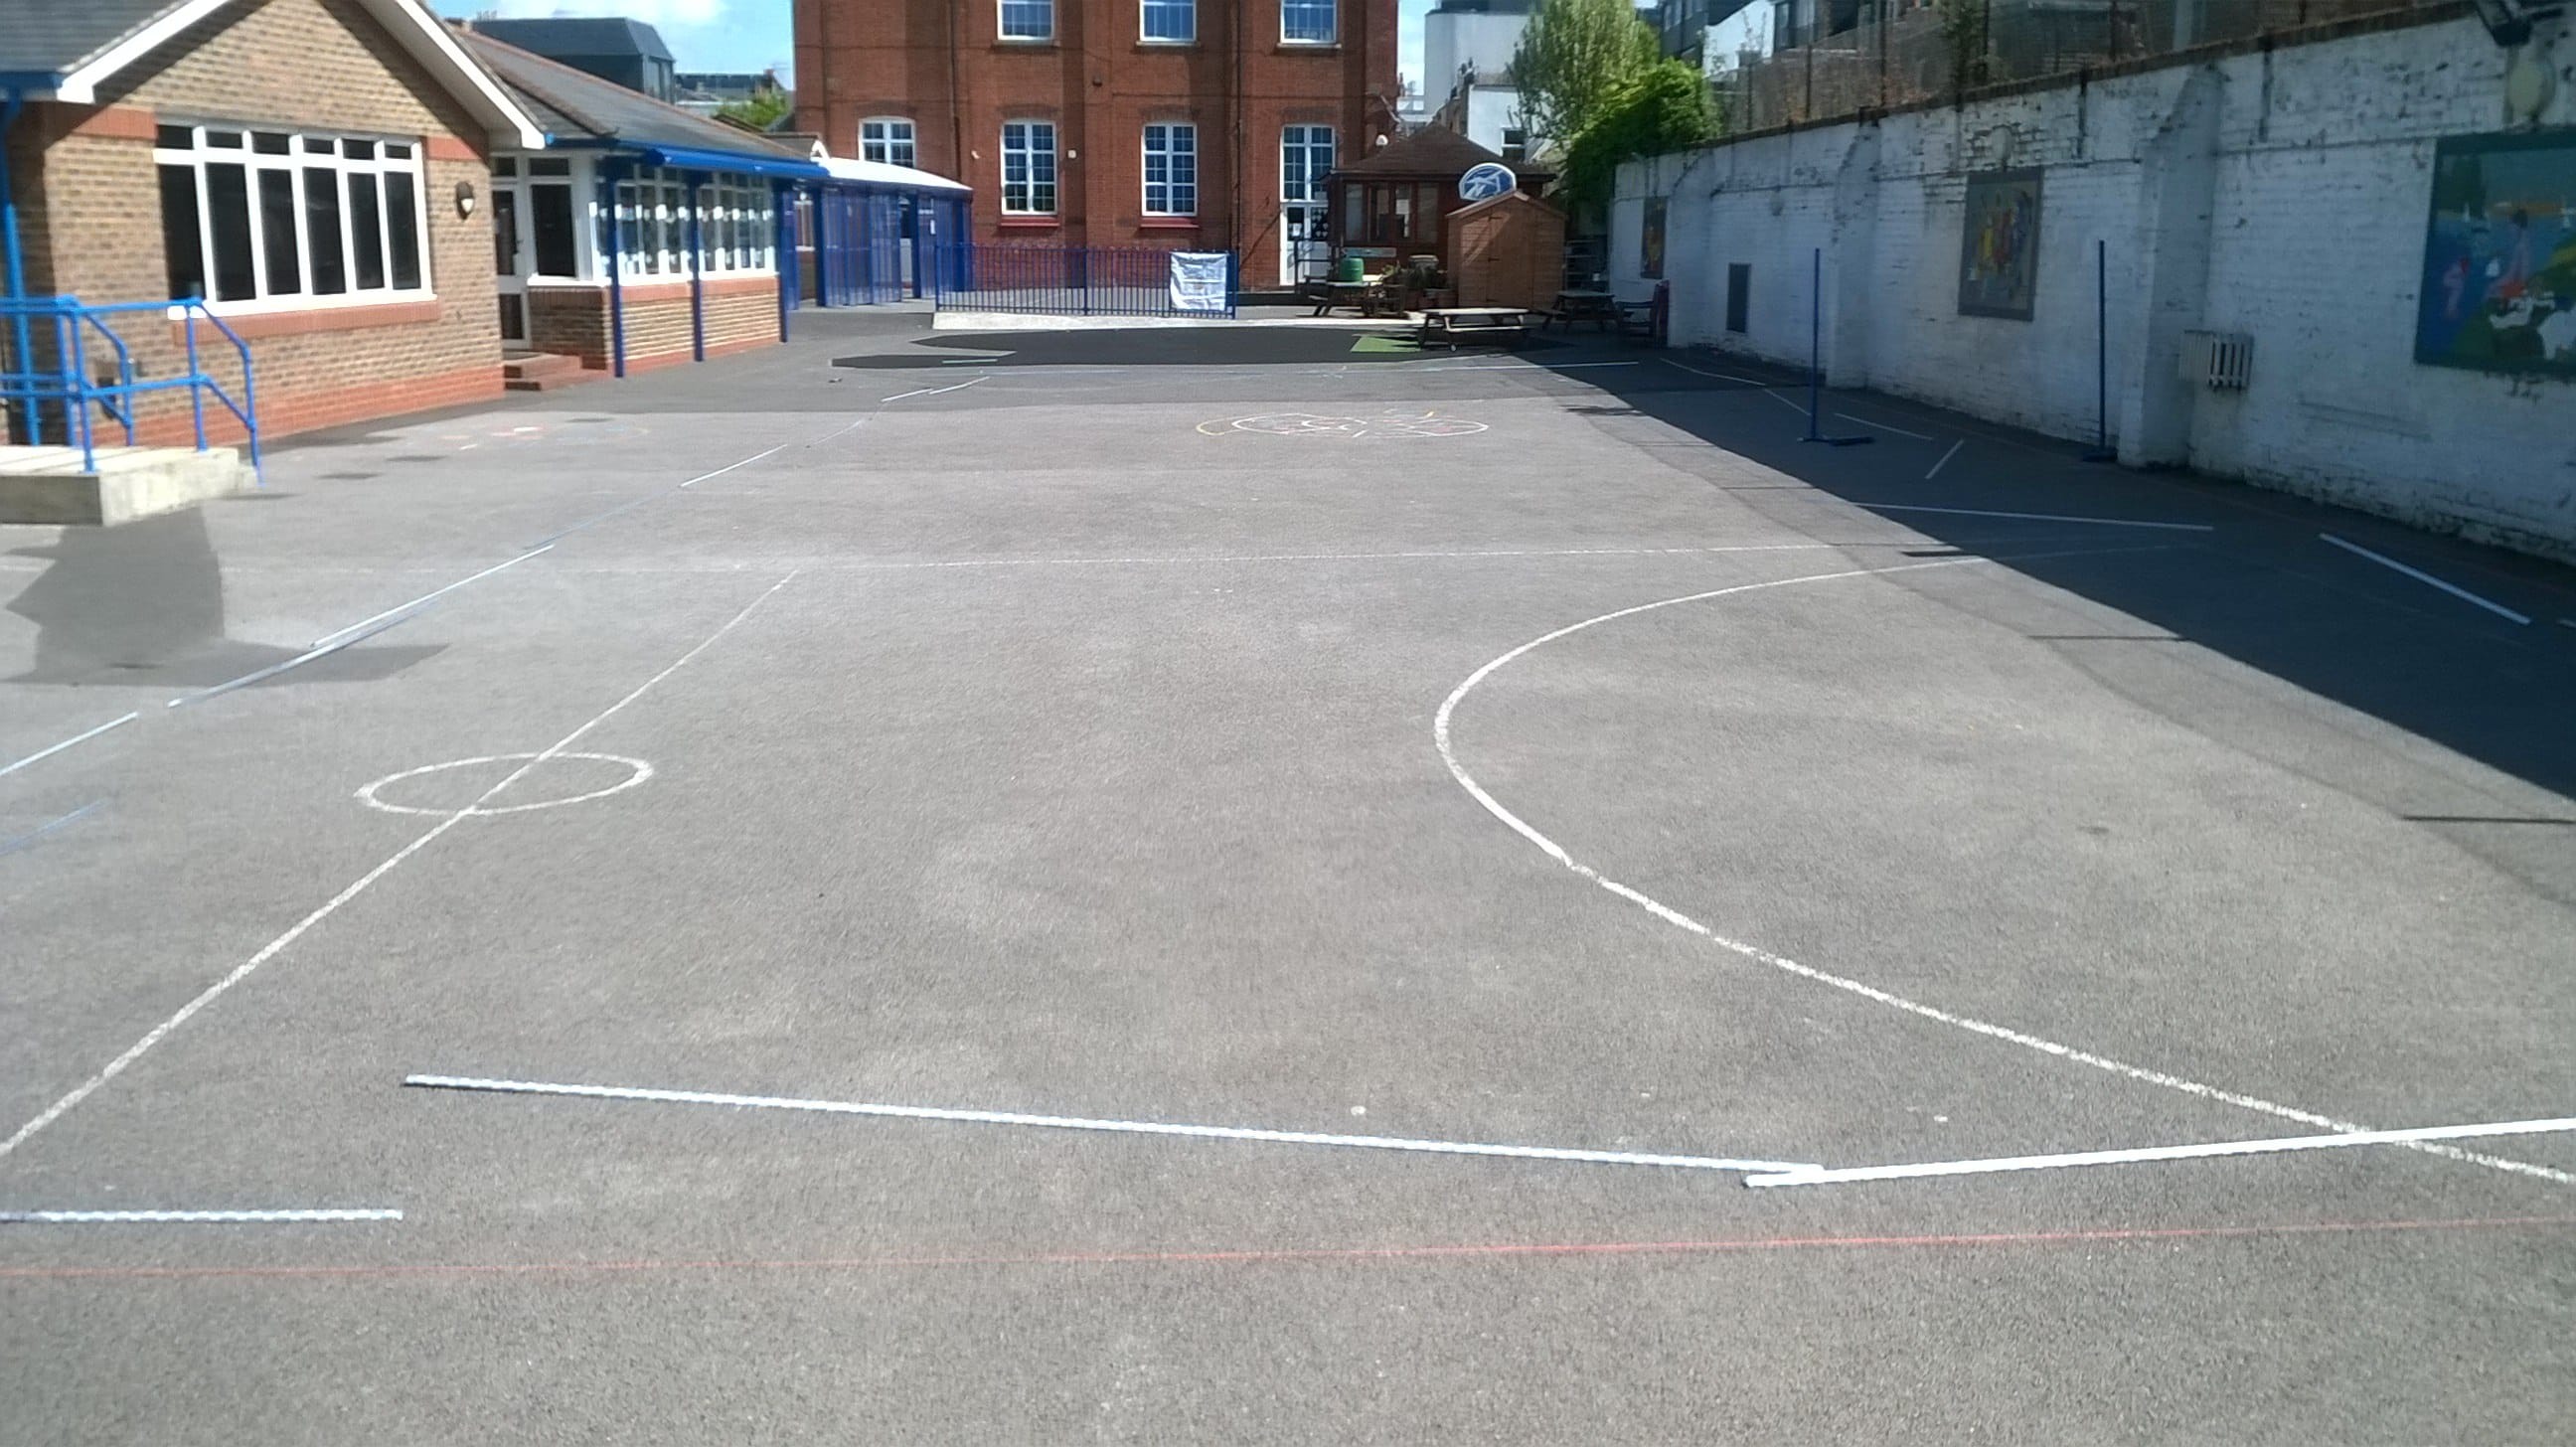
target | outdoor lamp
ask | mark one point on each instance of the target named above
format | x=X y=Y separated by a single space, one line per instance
x=465 y=199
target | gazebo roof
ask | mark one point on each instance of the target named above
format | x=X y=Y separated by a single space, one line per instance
x=1434 y=153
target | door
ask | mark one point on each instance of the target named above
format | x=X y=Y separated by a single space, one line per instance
x=1305 y=245
x=509 y=278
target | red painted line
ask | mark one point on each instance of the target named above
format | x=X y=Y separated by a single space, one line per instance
x=1289 y=1255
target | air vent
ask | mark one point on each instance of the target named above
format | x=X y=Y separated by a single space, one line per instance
x=2220 y=361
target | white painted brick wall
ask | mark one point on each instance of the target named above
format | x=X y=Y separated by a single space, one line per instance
x=2321 y=180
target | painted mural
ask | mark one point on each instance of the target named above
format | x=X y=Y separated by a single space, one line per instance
x=1999 y=245
x=2500 y=255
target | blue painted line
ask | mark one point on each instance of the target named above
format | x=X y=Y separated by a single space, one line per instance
x=37 y=834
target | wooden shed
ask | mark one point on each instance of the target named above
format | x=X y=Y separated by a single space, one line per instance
x=1398 y=201
x=1507 y=250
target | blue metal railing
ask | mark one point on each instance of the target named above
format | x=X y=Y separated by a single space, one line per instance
x=52 y=384
x=1089 y=281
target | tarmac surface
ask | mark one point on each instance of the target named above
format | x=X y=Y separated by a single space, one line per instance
x=1238 y=729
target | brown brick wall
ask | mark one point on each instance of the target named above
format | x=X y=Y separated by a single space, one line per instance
x=90 y=213
x=740 y=312
x=861 y=58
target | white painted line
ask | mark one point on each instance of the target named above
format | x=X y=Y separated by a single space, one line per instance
x=2420 y=576
x=1995 y=1164
x=116 y=1218
x=1418 y=369
x=737 y=466
x=403 y=608
x=1887 y=427
x=1945 y=459
x=40 y=831
x=935 y=391
x=1067 y=1122
x=258 y=675
x=1440 y=734
x=2040 y=517
x=1721 y=376
x=356 y=887
x=80 y=738
x=1344 y=557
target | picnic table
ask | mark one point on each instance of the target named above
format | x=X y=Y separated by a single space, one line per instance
x=1450 y=325
x=1576 y=305
x=1364 y=297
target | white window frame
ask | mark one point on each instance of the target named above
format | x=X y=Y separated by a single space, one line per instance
x=1002 y=20
x=909 y=141
x=1171 y=156
x=1188 y=10
x=1332 y=31
x=737 y=226
x=1301 y=140
x=1029 y=154
x=295 y=161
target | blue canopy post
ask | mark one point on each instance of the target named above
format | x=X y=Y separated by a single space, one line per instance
x=610 y=174
x=22 y=356
x=782 y=243
x=696 y=182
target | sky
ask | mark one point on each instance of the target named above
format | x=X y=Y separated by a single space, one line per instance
x=757 y=34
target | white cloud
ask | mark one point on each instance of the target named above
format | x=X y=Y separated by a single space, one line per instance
x=651 y=12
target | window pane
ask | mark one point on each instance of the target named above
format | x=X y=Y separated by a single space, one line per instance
x=228 y=217
x=226 y=140
x=402 y=227
x=551 y=226
x=268 y=143
x=182 y=241
x=322 y=231
x=366 y=233
x=321 y=146
x=1028 y=19
x=1171 y=19
x=358 y=150
x=395 y=152
x=175 y=138
x=277 y=232
x=1309 y=20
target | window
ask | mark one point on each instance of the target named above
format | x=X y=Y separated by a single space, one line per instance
x=1739 y=295
x=1515 y=145
x=275 y=216
x=1171 y=170
x=1171 y=20
x=737 y=226
x=887 y=139
x=1028 y=19
x=1305 y=159
x=1309 y=22
x=1028 y=168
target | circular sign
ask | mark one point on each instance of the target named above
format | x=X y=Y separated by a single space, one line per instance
x=1485 y=182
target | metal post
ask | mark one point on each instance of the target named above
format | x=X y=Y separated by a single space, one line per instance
x=782 y=245
x=1815 y=349
x=2101 y=355
x=612 y=173
x=196 y=375
x=696 y=180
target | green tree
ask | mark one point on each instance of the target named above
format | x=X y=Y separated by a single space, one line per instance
x=1572 y=55
x=1664 y=108
x=760 y=112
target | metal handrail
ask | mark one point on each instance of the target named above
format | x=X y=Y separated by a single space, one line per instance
x=68 y=384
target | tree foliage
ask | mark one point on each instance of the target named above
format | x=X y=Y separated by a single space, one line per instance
x=763 y=110
x=1664 y=108
x=1572 y=55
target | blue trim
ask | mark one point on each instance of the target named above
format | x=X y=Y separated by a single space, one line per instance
x=696 y=158
x=24 y=80
x=610 y=175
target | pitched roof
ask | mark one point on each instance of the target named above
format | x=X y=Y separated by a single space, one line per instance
x=573 y=35
x=1433 y=151
x=574 y=105
x=65 y=49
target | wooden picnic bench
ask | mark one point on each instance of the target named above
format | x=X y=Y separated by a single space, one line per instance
x=1451 y=326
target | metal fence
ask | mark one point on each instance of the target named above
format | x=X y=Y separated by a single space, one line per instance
x=1828 y=59
x=1088 y=281
x=65 y=370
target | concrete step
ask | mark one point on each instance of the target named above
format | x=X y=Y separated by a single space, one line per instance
x=49 y=485
x=541 y=371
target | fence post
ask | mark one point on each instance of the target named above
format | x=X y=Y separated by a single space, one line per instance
x=2101 y=355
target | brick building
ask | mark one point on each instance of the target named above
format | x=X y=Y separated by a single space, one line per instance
x=305 y=165
x=1196 y=124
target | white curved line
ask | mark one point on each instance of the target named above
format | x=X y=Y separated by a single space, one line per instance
x=368 y=795
x=1448 y=755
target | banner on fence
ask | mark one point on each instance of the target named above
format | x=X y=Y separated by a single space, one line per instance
x=1198 y=281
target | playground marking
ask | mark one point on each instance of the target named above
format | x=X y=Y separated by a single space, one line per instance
x=1441 y=738
x=1065 y=1122
x=405 y=608
x=79 y=738
x=338 y=642
x=1945 y=459
x=122 y=1218
x=638 y=772
x=1723 y=376
x=33 y=836
x=1886 y=427
x=2039 y=517
x=356 y=887
x=934 y=391
x=2420 y=576
x=1352 y=429
x=1995 y=1164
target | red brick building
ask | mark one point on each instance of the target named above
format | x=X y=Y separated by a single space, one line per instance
x=1194 y=124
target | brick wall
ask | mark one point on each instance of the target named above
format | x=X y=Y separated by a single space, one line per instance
x=90 y=215
x=741 y=311
x=1101 y=86
x=2276 y=189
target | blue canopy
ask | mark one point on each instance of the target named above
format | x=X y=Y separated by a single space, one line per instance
x=692 y=158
